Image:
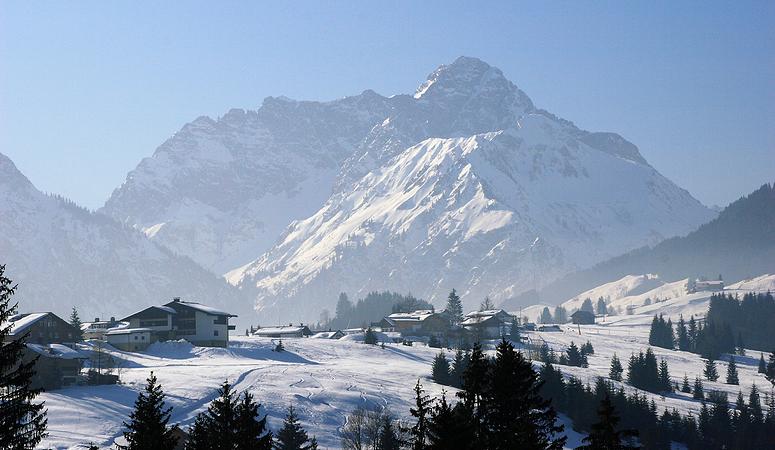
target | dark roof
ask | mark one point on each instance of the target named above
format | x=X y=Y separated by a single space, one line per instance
x=199 y=307
x=166 y=309
x=582 y=313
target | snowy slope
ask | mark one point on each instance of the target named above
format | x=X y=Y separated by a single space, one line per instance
x=491 y=214
x=63 y=256
x=221 y=191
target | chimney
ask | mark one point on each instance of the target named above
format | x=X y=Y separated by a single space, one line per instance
x=96 y=319
x=176 y=299
x=112 y=319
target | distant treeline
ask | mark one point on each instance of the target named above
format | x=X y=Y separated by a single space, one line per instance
x=751 y=320
x=371 y=308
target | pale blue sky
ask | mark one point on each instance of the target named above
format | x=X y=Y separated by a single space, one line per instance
x=89 y=88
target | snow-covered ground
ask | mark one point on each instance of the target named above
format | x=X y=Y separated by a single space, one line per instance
x=323 y=379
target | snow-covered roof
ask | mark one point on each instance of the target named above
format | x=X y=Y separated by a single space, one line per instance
x=326 y=334
x=115 y=331
x=477 y=317
x=166 y=309
x=293 y=329
x=56 y=351
x=22 y=322
x=414 y=316
x=200 y=307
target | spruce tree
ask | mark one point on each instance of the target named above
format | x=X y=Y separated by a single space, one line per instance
x=75 y=322
x=448 y=428
x=683 y=335
x=147 y=428
x=292 y=436
x=440 y=369
x=250 y=431
x=22 y=421
x=586 y=305
x=575 y=357
x=546 y=316
x=762 y=364
x=770 y=371
x=475 y=379
x=732 y=377
x=685 y=388
x=740 y=344
x=388 y=437
x=514 y=331
x=454 y=310
x=370 y=337
x=710 y=372
x=664 y=377
x=616 y=369
x=458 y=368
x=516 y=416
x=604 y=434
x=698 y=391
x=693 y=332
x=421 y=412
x=560 y=315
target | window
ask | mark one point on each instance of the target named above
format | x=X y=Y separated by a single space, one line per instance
x=215 y=332
x=135 y=337
x=142 y=338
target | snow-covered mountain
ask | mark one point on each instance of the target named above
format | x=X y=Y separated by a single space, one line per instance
x=496 y=198
x=63 y=256
x=221 y=191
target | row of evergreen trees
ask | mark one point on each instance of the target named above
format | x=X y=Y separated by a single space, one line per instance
x=749 y=319
x=371 y=308
x=231 y=422
x=709 y=341
x=573 y=355
x=499 y=407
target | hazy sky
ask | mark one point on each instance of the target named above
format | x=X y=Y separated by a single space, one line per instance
x=87 y=89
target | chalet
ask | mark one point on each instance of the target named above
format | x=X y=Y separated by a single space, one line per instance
x=550 y=328
x=199 y=324
x=284 y=332
x=97 y=329
x=130 y=339
x=44 y=328
x=488 y=324
x=583 y=318
x=57 y=366
x=386 y=324
x=328 y=335
x=706 y=286
x=424 y=322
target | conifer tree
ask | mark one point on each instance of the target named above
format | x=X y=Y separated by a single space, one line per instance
x=587 y=349
x=448 y=428
x=250 y=431
x=602 y=308
x=732 y=377
x=388 y=438
x=75 y=322
x=710 y=372
x=560 y=315
x=762 y=364
x=604 y=434
x=516 y=416
x=616 y=369
x=683 y=335
x=587 y=306
x=292 y=436
x=770 y=371
x=755 y=405
x=458 y=368
x=147 y=428
x=575 y=357
x=421 y=412
x=22 y=421
x=698 y=392
x=514 y=334
x=664 y=377
x=685 y=388
x=454 y=310
x=692 y=332
x=371 y=337
x=546 y=316
x=440 y=369
x=475 y=380
x=740 y=344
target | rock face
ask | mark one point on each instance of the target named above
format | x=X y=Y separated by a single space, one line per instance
x=62 y=256
x=221 y=191
x=464 y=184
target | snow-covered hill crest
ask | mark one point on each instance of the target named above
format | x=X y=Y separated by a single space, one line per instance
x=62 y=256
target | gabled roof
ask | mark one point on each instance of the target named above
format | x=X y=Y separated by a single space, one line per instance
x=166 y=309
x=581 y=312
x=20 y=322
x=57 y=351
x=478 y=317
x=115 y=331
x=200 y=307
x=292 y=329
x=414 y=316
